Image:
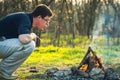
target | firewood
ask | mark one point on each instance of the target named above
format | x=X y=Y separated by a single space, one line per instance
x=83 y=60
x=92 y=61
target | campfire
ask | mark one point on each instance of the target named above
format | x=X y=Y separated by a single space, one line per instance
x=90 y=68
x=90 y=61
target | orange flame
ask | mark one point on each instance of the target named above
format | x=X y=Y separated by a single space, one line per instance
x=84 y=67
x=96 y=64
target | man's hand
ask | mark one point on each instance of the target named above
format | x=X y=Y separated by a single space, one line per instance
x=33 y=36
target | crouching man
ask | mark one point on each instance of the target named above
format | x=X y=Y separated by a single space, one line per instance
x=17 y=41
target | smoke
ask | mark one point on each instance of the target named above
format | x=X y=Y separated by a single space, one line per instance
x=97 y=31
x=106 y=34
x=107 y=28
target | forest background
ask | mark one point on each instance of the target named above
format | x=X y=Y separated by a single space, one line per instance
x=76 y=25
x=72 y=18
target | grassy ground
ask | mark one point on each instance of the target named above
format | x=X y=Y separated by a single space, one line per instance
x=44 y=58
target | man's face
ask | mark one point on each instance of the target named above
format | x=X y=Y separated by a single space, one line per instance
x=42 y=23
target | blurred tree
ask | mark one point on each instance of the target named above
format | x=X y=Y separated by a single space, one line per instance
x=76 y=17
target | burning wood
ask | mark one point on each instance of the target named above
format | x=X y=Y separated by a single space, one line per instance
x=90 y=60
x=90 y=65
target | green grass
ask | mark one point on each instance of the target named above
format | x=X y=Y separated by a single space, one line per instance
x=64 y=40
x=65 y=56
x=44 y=58
x=54 y=56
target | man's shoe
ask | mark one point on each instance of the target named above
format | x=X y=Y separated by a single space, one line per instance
x=7 y=77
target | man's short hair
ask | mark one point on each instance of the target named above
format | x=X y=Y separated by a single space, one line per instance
x=42 y=10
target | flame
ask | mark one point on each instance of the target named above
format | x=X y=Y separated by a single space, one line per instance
x=96 y=62
x=84 y=67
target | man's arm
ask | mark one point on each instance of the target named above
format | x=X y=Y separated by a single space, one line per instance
x=26 y=38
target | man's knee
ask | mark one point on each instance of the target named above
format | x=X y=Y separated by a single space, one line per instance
x=29 y=47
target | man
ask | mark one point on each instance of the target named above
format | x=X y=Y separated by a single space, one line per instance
x=16 y=39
